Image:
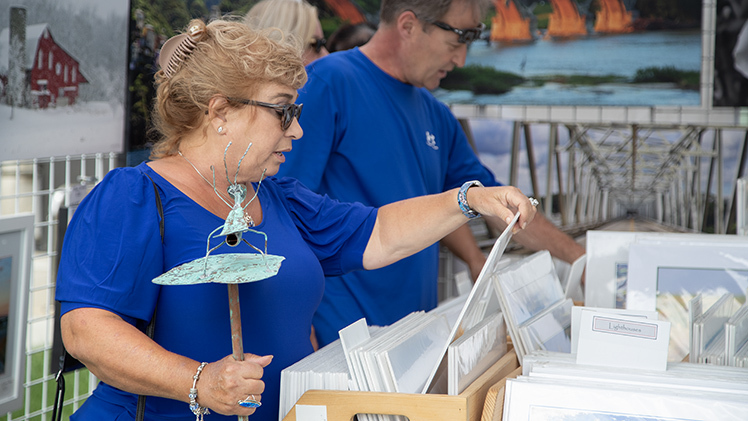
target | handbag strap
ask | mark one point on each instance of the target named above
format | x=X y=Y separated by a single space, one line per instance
x=149 y=330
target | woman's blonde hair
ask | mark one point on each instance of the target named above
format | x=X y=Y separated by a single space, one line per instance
x=224 y=58
x=296 y=18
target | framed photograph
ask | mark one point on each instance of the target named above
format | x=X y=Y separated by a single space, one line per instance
x=59 y=81
x=730 y=47
x=16 y=241
x=604 y=53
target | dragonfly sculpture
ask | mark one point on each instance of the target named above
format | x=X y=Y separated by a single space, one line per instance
x=229 y=268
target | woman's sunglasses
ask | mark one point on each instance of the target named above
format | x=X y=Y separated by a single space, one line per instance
x=286 y=112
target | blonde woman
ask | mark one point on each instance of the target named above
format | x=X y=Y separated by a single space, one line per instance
x=221 y=89
x=297 y=19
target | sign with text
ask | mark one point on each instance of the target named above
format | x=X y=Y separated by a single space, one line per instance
x=622 y=341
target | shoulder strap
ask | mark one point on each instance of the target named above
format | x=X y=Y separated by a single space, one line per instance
x=149 y=330
x=67 y=360
x=160 y=208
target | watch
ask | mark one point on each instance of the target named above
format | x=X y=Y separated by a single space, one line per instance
x=462 y=199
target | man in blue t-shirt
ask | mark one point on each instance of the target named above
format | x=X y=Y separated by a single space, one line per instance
x=374 y=134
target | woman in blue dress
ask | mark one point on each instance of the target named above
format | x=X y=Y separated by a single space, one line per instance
x=222 y=87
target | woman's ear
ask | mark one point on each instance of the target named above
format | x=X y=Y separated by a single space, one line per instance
x=217 y=107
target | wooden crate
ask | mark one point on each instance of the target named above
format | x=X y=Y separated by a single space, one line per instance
x=493 y=408
x=467 y=406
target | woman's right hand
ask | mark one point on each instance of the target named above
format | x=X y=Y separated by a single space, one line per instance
x=222 y=384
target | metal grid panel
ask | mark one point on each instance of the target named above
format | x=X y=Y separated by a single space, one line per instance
x=41 y=187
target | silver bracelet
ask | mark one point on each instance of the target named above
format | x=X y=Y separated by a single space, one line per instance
x=462 y=199
x=195 y=407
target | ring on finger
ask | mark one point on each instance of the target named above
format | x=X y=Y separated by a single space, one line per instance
x=533 y=201
x=249 y=402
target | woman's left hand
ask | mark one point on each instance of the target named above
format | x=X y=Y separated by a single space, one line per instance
x=502 y=202
x=408 y=226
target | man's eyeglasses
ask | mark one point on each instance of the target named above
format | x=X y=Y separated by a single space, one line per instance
x=317 y=44
x=466 y=36
x=286 y=112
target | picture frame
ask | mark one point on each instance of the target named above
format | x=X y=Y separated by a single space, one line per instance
x=74 y=88
x=535 y=48
x=16 y=246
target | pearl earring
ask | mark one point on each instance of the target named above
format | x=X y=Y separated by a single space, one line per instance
x=220 y=129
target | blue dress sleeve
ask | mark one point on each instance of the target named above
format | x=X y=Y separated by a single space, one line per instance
x=336 y=232
x=112 y=249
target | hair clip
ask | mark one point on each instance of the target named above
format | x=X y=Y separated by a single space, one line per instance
x=177 y=48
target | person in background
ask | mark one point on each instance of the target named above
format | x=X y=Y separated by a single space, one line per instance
x=374 y=134
x=226 y=117
x=297 y=19
x=349 y=35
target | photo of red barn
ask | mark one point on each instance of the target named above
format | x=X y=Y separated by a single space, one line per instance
x=52 y=74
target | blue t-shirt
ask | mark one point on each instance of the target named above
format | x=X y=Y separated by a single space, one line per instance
x=372 y=139
x=113 y=250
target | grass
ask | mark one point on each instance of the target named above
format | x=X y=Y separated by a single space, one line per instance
x=589 y=80
x=34 y=394
x=487 y=80
x=668 y=74
x=481 y=79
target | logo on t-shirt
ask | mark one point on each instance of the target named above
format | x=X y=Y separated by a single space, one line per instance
x=431 y=141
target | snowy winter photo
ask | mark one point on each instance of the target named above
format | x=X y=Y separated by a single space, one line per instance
x=63 y=72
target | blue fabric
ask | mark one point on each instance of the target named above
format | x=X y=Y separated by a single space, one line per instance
x=113 y=250
x=372 y=139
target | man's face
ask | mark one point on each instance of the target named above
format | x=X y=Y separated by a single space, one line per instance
x=435 y=51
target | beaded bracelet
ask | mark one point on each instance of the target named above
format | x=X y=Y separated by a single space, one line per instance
x=462 y=199
x=195 y=407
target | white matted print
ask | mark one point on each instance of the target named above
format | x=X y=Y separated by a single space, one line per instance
x=666 y=276
x=606 y=276
x=539 y=400
x=16 y=240
x=606 y=268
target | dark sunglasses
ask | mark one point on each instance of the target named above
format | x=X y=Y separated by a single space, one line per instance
x=466 y=36
x=318 y=43
x=286 y=112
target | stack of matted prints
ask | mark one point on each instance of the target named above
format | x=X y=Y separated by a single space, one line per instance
x=552 y=387
x=537 y=312
x=441 y=351
x=325 y=369
x=467 y=348
x=663 y=272
x=394 y=358
x=719 y=334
